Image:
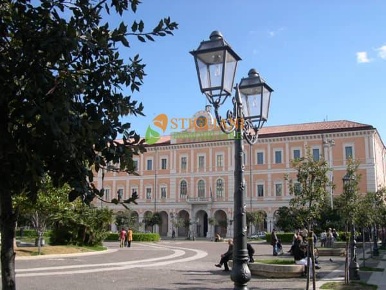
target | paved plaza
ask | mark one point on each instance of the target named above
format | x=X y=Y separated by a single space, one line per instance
x=168 y=264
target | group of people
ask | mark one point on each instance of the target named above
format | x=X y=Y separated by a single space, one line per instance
x=229 y=254
x=125 y=237
x=327 y=238
x=298 y=249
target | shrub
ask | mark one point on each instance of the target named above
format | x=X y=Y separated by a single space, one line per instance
x=137 y=237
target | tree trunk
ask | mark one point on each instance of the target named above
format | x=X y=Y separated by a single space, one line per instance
x=346 y=273
x=8 y=223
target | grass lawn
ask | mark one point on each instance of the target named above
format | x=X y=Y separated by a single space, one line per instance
x=51 y=250
x=350 y=286
x=277 y=261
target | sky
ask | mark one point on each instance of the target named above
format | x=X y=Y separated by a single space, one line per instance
x=325 y=60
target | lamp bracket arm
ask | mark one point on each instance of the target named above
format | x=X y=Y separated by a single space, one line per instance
x=227 y=125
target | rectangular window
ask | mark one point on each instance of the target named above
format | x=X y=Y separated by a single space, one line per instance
x=163 y=192
x=219 y=188
x=277 y=157
x=296 y=154
x=134 y=192
x=348 y=151
x=279 y=189
x=120 y=194
x=316 y=154
x=149 y=164
x=135 y=164
x=148 y=193
x=260 y=158
x=201 y=162
x=297 y=188
x=106 y=195
x=260 y=190
x=184 y=163
x=219 y=161
x=163 y=163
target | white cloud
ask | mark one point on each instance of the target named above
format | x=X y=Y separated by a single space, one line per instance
x=362 y=57
x=273 y=33
x=382 y=52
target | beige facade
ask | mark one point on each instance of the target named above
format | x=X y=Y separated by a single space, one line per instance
x=190 y=176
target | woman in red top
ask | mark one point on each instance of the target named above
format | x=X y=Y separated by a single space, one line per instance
x=122 y=238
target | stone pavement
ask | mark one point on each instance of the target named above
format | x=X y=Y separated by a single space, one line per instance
x=376 y=278
x=148 y=266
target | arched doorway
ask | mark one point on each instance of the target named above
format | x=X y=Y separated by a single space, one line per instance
x=147 y=221
x=220 y=223
x=202 y=223
x=134 y=219
x=183 y=223
x=163 y=226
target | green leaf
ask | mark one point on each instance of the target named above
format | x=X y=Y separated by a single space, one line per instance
x=151 y=136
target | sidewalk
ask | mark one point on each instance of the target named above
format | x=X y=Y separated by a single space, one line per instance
x=372 y=278
x=379 y=278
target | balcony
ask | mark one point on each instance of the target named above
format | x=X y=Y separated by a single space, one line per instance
x=199 y=200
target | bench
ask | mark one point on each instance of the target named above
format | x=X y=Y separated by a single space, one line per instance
x=275 y=270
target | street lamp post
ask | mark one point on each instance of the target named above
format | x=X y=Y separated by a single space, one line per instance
x=329 y=143
x=375 y=237
x=216 y=64
x=354 y=266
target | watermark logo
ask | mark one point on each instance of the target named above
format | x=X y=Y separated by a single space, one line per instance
x=152 y=136
x=191 y=128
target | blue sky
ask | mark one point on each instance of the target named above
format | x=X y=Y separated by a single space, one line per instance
x=326 y=60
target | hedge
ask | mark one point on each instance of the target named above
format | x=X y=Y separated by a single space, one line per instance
x=137 y=237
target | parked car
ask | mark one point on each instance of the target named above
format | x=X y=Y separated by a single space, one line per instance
x=258 y=235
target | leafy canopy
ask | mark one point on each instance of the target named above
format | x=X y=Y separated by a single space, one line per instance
x=62 y=83
x=309 y=189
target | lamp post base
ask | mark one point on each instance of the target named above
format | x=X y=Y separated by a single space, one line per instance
x=240 y=275
x=354 y=271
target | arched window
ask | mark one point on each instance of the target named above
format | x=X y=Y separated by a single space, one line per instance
x=183 y=189
x=219 y=188
x=201 y=188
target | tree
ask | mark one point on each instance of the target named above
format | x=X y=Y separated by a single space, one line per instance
x=288 y=219
x=40 y=213
x=347 y=204
x=309 y=191
x=254 y=218
x=81 y=225
x=62 y=84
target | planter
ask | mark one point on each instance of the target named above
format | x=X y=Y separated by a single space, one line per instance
x=276 y=270
x=331 y=251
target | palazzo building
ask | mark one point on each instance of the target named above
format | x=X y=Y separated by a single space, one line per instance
x=189 y=175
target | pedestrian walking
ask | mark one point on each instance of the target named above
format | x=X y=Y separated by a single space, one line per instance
x=129 y=237
x=122 y=238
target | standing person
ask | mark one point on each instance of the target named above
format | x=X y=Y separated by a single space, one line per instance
x=129 y=237
x=274 y=241
x=251 y=252
x=323 y=239
x=226 y=256
x=122 y=238
x=173 y=234
x=330 y=238
x=335 y=235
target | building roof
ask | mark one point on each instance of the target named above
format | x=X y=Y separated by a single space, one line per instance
x=298 y=129
x=312 y=128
